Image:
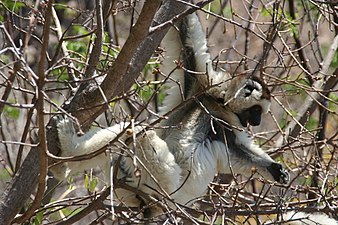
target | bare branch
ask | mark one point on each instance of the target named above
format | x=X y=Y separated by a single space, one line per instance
x=311 y=102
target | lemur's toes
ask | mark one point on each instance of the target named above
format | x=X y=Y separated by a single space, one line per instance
x=285 y=176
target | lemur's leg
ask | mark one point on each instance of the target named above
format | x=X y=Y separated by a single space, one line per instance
x=160 y=174
x=159 y=161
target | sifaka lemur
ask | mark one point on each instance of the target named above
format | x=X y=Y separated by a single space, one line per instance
x=205 y=132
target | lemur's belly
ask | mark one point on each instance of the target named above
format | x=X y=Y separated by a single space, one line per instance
x=198 y=171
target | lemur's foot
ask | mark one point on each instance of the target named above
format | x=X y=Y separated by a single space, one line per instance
x=152 y=145
x=65 y=126
x=155 y=154
x=279 y=173
x=66 y=134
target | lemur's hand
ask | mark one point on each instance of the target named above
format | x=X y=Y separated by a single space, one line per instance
x=279 y=173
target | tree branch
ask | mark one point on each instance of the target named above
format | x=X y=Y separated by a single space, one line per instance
x=133 y=57
x=94 y=56
x=311 y=102
x=42 y=146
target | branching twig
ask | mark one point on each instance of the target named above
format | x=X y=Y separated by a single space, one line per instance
x=66 y=54
x=310 y=104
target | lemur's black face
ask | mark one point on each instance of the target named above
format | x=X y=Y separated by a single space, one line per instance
x=251 y=116
x=254 y=90
x=249 y=98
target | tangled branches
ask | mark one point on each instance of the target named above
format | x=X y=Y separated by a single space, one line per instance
x=84 y=60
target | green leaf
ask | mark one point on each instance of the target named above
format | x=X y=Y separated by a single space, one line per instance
x=79 y=47
x=70 y=180
x=265 y=12
x=333 y=104
x=93 y=184
x=146 y=93
x=86 y=181
x=38 y=218
x=13 y=5
x=312 y=123
x=227 y=11
x=68 y=212
x=4 y=175
x=12 y=112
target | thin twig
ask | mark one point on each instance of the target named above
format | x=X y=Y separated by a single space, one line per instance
x=310 y=104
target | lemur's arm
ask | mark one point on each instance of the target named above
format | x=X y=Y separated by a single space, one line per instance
x=95 y=139
x=74 y=145
x=178 y=45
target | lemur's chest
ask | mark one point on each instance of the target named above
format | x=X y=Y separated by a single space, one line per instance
x=191 y=146
x=191 y=132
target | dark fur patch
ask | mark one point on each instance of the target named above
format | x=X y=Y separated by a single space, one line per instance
x=251 y=116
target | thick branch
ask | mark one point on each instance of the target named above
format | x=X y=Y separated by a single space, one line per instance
x=94 y=56
x=117 y=77
x=133 y=57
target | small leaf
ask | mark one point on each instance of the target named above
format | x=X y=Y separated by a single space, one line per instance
x=12 y=112
x=38 y=218
x=86 y=181
x=93 y=184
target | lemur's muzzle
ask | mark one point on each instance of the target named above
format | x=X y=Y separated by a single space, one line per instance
x=251 y=116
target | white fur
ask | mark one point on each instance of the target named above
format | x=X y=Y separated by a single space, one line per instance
x=73 y=145
x=207 y=159
x=169 y=68
x=215 y=81
x=199 y=43
x=156 y=163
